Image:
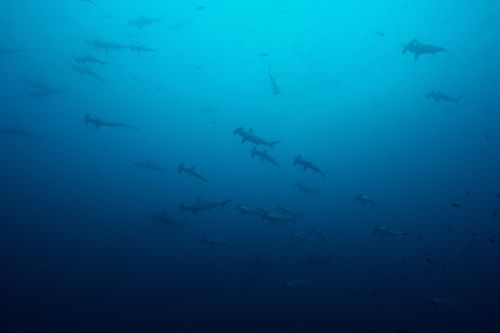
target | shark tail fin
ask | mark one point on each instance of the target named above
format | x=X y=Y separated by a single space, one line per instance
x=459 y=98
x=272 y=144
x=254 y=151
x=225 y=202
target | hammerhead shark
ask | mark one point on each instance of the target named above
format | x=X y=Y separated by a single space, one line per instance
x=140 y=48
x=251 y=137
x=386 y=231
x=264 y=156
x=98 y=123
x=87 y=71
x=245 y=210
x=83 y=60
x=40 y=89
x=278 y=217
x=191 y=171
x=438 y=95
x=276 y=89
x=302 y=187
x=418 y=49
x=318 y=233
x=19 y=131
x=163 y=218
x=202 y=205
x=99 y=44
x=148 y=165
x=142 y=21
x=365 y=200
x=299 y=160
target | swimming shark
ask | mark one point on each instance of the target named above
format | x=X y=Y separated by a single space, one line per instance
x=142 y=21
x=163 y=218
x=40 y=89
x=365 y=200
x=148 y=165
x=279 y=217
x=276 y=89
x=438 y=95
x=83 y=60
x=264 y=156
x=19 y=131
x=99 y=44
x=140 y=48
x=191 y=171
x=251 y=137
x=386 y=231
x=287 y=211
x=87 y=71
x=419 y=49
x=203 y=205
x=87 y=119
x=302 y=187
x=299 y=160
x=245 y=210
x=213 y=242
x=318 y=233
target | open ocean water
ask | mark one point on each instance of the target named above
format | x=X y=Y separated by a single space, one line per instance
x=250 y=166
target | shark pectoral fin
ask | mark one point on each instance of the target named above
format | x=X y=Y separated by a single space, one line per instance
x=243 y=140
x=417 y=55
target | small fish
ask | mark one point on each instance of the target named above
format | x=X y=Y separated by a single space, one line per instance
x=493 y=241
x=495 y=213
x=468 y=194
x=456 y=205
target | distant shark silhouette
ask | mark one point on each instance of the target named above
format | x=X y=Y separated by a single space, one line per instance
x=419 y=49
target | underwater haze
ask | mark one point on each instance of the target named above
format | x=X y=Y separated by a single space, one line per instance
x=250 y=166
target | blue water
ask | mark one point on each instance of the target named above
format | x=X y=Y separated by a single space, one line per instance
x=78 y=251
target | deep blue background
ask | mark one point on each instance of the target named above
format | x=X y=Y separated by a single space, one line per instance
x=78 y=254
